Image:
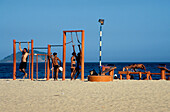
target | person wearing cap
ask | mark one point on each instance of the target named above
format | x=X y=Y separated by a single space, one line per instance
x=55 y=60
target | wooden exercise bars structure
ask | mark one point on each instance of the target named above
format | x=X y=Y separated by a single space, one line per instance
x=37 y=64
x=148 y=74
x=64 y=52
x=48 y=62
x=49 y=53
x=37 y=60
x=14 y=58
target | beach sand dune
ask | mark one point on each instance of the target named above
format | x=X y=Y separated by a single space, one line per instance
x=77 y=96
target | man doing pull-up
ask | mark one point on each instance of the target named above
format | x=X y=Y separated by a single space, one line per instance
x=24 y=59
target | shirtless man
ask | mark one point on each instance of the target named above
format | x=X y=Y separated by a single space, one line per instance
x=55 y=60
x=73 y=64
x=78 y=59
x=24 y=58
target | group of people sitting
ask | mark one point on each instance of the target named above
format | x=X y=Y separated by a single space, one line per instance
x=75 y=62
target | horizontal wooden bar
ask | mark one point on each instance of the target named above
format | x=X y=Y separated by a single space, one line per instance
x=56 y=45
x=40 y=48
x=73 y=31
x=122 y=72
x=155 y=73
x=159 y=73
x=138 y=72
x=41 y=54
x=22 y=42
x=126 y=72
x=167 y=73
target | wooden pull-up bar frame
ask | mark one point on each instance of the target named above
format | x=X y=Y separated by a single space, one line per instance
x=64 y=53
x=48 y=62
x=14 y=58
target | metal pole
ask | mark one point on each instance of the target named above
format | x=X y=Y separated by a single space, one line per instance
x=14 y=59
x=100 y=56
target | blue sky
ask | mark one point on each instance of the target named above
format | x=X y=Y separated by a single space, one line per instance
x=134 y=30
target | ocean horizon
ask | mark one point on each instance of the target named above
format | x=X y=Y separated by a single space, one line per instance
x=6 y=69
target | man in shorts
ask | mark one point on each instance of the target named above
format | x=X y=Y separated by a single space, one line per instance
x=24 y=59
x=55 y=60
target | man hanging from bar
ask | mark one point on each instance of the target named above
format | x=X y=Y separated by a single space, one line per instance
x=73 y=64
x=24 y=59
x=78 y=59
x=55 y=60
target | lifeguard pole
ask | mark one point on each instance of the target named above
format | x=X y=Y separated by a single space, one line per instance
x=100 y=56
x=100 y=77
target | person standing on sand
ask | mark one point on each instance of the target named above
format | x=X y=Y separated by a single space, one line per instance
x=78 y=59
x=73 y=64
x=24 y=59
x=55 y=60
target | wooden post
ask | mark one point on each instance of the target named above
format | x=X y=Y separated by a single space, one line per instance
x=111 y=72
x=150 y=77
x=32 y=59
x=14 y=59
x=128 y=75
x=120 y=76
x=163 y=74
x=64 y=55
x=147 y=75
x=29 y=65
x=82 y=59
x=103 y=69
x=45 y=65
x=140 y=75
x=48 y=62
x=37 y=66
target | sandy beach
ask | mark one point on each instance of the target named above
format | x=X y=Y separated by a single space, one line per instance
x=77 y=96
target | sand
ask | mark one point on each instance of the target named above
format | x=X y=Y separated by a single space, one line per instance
x=77 y=96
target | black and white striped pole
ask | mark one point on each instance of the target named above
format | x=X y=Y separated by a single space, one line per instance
x=100 y=56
